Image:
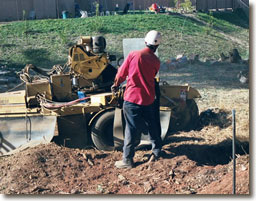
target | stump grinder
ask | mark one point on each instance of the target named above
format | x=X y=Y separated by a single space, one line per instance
x=73 y=106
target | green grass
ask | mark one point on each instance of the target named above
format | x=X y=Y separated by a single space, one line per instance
x=227 y=22
x=46 y=42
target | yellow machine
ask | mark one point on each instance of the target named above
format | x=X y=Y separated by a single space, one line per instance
x=74 y=107
x=89 y=64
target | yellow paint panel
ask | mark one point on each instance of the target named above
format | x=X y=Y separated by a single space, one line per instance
x=90 y=67
x=101 y=99
x=61 y=86
x=12 y=97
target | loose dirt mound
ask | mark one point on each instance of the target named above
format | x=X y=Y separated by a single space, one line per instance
x=50 y=169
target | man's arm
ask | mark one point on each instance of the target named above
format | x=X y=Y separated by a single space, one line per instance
x=122 y=72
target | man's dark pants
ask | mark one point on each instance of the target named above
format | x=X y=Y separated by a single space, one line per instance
x=135 y=116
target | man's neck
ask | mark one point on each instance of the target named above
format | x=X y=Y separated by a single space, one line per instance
x=153 y=47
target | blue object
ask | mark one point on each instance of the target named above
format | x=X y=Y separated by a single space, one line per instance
x=64 y=14
x=81 y=95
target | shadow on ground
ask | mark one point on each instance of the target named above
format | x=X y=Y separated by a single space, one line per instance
x=206 y=75
x=206 y=154
x=38 y=57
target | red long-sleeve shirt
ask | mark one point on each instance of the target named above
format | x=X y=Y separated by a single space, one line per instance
x=139 y=68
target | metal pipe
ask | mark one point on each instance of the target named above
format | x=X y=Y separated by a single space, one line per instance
x=234 y=149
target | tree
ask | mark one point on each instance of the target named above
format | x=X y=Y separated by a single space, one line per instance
x=97 y=9
x=187 y=5
x=177 y=3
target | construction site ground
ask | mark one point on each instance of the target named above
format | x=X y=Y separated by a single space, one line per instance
x=194 y=162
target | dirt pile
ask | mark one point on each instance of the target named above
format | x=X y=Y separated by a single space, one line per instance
x=50 y=169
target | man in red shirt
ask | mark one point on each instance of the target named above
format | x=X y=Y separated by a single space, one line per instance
x=139 y=69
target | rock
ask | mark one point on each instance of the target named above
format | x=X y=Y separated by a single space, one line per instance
x=100 y=188
x=243 y=168
x=75 y=191
x=122 y=179
x=179 y=56
x=203 y=60
x=171 y=173
x=148 y=187
x=223 y=57
x=90 y=162
x=181 y=59
x=194 y=59
x=243 y=77
x=207 y=61
x=177 y=182
x=192 y=190
x=88 y=158
x=63 y=192
x=234 y=56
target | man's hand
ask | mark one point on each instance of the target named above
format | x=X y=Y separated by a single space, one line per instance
x=114 y=88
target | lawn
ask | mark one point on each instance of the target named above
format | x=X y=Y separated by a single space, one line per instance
x=46 y=42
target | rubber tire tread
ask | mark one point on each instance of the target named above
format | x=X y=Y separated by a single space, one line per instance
x=100 y=128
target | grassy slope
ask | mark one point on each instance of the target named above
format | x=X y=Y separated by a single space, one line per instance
x=46 y=42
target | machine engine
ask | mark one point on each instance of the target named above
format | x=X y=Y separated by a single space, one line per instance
x=90 y=66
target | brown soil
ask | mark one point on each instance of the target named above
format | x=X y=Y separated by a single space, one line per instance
x=195 y=162
x=50 y=169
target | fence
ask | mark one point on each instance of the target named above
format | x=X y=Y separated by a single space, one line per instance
x=206 y=5
x=138 y=5
x=111 y=4
x=11 y=10
x=14 y=9
x=244 y=4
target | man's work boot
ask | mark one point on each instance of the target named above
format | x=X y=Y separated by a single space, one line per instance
x=122 y=164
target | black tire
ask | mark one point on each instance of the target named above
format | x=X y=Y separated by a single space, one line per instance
x=102 y=131
x=184 y=118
